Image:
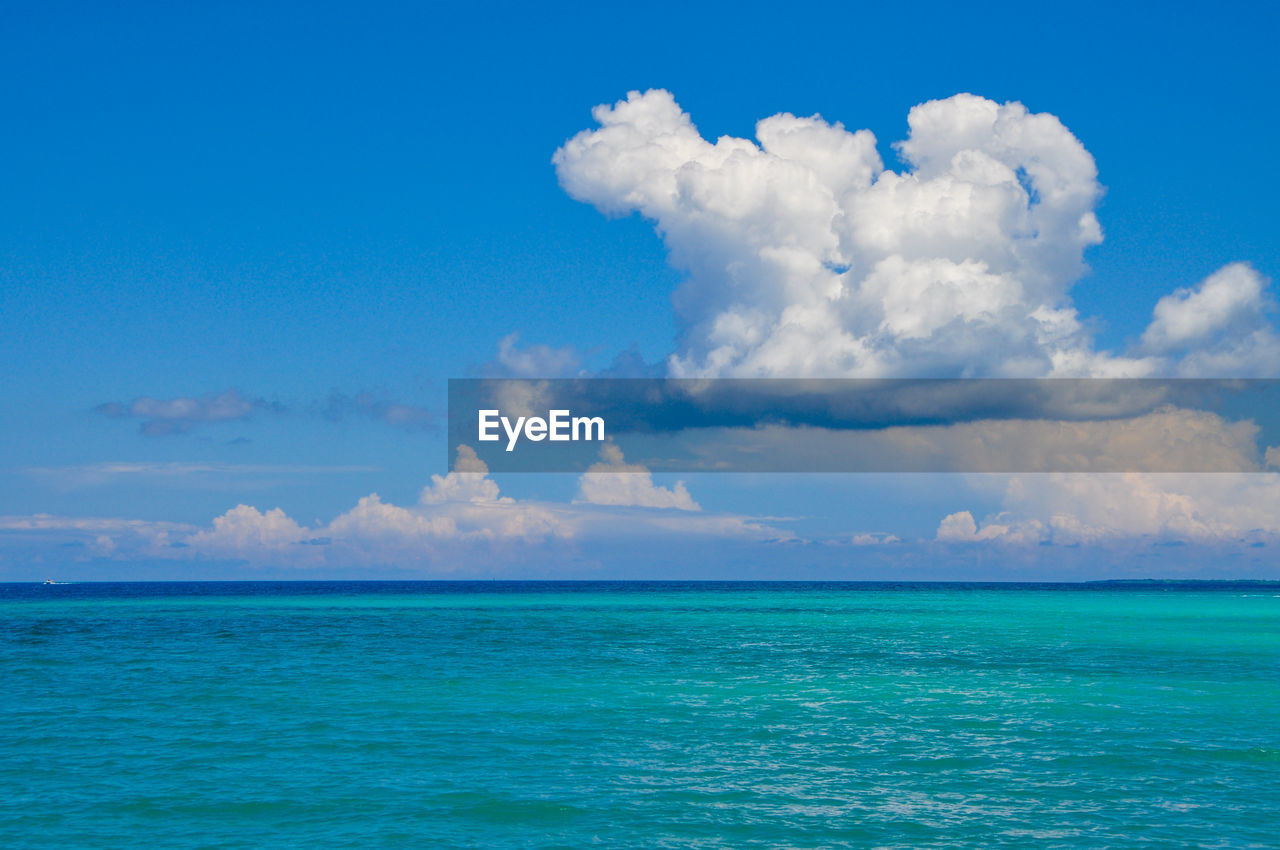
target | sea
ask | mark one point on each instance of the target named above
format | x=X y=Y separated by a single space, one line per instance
x=639 y=714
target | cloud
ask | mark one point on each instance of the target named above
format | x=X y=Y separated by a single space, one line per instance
x=806 y=257
x=460 y=522
x=616 y=482
x=378 y=407
x=461 y=507
x=892 y=425
x=96 y=536
x=237 y=474
x=962 y=527
x=51 y=522
x=246 y=528
x=532 y=361
x=1214 y=508
x=1168 y=439
x=1219 y=326
x=161 y=417
x=874 y=538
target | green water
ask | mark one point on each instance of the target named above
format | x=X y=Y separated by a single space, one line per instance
x=643 y=715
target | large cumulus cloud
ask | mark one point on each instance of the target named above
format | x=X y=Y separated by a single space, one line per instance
x=806 y=257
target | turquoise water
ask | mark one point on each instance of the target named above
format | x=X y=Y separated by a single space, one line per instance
x=647 y=715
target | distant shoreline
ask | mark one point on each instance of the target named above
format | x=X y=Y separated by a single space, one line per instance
x=579 y=582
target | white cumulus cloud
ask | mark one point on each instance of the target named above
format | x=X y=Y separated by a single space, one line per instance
x=246 y=528
x=462 y=507
x=514 y=360
x=805 y=256
x=1065 y=508
x=1219 y=327
x=616 y=482
x=461 y=519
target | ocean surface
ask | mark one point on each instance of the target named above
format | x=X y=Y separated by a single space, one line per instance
x=496 y=714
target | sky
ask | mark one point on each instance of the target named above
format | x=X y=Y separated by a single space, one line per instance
x=243 y=247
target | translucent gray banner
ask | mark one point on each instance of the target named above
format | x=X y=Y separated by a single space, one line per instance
x=881 y=425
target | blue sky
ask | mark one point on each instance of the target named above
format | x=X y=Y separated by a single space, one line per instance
x=330 y=210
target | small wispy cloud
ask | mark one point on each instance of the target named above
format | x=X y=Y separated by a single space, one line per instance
x=874 y=538
x=514 y=360
x=163 y=417
x=182 y=415
x=51 y=522
x=94 y=474
x=378 y=407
